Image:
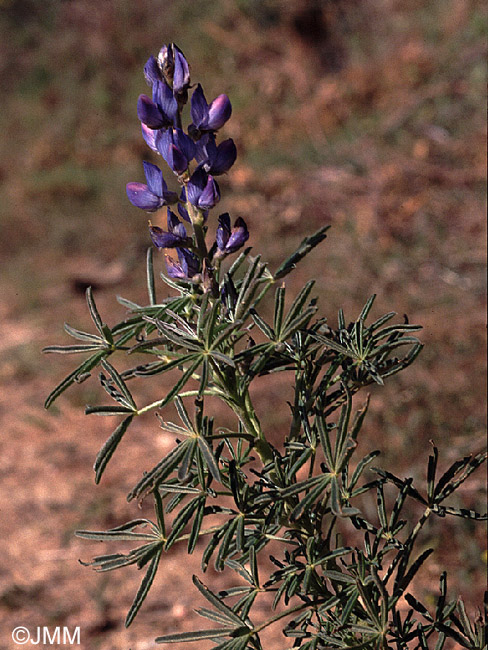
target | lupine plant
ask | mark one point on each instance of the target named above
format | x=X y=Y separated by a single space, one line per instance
x=286 y=519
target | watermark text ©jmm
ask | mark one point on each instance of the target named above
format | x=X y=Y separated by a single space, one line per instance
x=46 y=635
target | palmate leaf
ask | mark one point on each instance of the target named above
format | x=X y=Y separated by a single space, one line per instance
x=144 y=588
x=108 y=410
x=298 y=322
x=182 y=519
x=161 y=471
x=150 y=552
x=195 y=636
x=263 y=326
x=176 y=335
x=73 y=349
x=124 y=532
x=139 y=556
x=151 y=288
x=108 y=449
x=240 y=643
x=209 y=458
x=220 y=606
x=305 y=247
x=78 y=375
x=125 y=397
x=234 y=626
x=310 y=498
x=83 y=336
x=104 y=330
x=197 y=360
x=256 y=274
x=447 y=485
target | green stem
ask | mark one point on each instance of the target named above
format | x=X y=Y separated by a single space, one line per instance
x=288 y=612
x=250 y=422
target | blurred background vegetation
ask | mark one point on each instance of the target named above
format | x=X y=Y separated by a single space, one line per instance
x=366 y=114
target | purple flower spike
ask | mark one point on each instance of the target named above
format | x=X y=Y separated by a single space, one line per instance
x=216 y=160
x=186 y=266
x=176 y=235
x=209 y=117
x=155 y=194
x=176 y=148
x=202 y=190
x=227 y=240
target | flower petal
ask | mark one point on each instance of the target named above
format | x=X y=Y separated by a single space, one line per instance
x=184 y=143
x=181 y=75
x=163 y=239
x=223 y=231
x=210 y=195
x=154 y=177
x=197 y=184
x=163 y=96
x=219 y=112
x=174 y=268
x=140 y=196
x=152 y=72
x=199 y=107
x=175 y=226
x=149 y=136
x=189 y=262
x=224 y=157
x=238 y=237
x=149 y=113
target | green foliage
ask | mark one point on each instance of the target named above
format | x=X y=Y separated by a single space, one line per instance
x=297 y=498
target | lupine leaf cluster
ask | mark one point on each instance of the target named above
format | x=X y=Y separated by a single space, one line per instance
x=237 y=495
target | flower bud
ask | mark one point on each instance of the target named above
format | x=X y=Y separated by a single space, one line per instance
x=175 y=70
x=202 y=190
x=219 y=112
x=176 y=235
x=185 y=268
x=227 y=240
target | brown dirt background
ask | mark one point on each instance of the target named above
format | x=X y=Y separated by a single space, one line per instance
x=364 y=114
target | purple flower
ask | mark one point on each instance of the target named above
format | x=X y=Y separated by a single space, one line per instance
x=176 y=148
x=215 y=159
x=176 y=235
x=175 y=69
x=202 y=190
x=155 y=194
x=185 y=268
x=160 y=111
x=227 y=240
x=209 y=117
x=183 y=212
